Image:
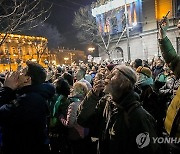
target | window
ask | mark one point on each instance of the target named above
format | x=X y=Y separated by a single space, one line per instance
x=114 y=25
x=162 y=7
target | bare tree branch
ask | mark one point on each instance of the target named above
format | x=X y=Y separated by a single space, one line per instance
x=15 y=15
x=89 y=29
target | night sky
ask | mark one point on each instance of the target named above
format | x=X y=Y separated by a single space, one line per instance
x=62 y=15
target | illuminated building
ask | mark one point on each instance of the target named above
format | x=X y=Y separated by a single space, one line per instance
x=143 y=17
x=66 y=56
x=17 y=49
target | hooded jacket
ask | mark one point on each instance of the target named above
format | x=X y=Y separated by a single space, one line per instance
x=23 y=118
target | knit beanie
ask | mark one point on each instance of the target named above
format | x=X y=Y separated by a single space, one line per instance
x=144 y=70
x=128 y=72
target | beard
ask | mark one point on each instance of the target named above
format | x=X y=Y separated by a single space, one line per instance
x=115 y=90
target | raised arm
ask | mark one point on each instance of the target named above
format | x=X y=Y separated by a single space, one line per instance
x=167 y=49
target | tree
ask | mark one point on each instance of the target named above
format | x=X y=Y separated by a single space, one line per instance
x=48 y=31
x=90 y=29
x=15 y=14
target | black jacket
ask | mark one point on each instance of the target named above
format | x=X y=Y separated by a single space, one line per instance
x=117 y=126
x=23 y=118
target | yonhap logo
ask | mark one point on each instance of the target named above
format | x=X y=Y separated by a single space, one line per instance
x=143 y=140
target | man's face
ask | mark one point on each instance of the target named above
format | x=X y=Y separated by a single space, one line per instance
x=159 y=63
x=102 y=70
x=114 y=84
x=23 y=79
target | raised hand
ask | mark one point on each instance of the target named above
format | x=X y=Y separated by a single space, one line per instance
x=163 y=26
x=98 y=87
x=11 y=80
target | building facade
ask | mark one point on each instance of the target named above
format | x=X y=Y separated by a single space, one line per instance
x=17 y=49
x=143 y=35
x=67 y=56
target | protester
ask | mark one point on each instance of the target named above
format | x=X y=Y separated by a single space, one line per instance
x=80 y=76
x=58 y=107
x=118 y=118
x=137 y=62
x=172 y=123
x=77 y=135
x=24 y=111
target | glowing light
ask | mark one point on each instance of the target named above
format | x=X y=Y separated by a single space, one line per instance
x=66 y=58
x=161 y=8
x=91 y=49
x=34 y=60
x=109 y=6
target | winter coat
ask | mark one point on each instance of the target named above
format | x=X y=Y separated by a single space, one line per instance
x=170 y=55
x=76 y=131
x=156 y=71
x=23 y=118
x=171 y=114
x=117 y=126
x=167 y=91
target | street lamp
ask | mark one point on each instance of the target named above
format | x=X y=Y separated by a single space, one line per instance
x=91 y=49
x=127 y=31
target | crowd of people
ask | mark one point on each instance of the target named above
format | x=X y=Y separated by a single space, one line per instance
x=93 y=108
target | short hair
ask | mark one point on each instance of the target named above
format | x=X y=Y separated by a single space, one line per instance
x=62 y=87
x=137 y=63
x=36 y=72
x=80 y=88
x=59 y=69
x=69 y=78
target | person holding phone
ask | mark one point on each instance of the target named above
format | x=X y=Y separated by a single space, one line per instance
x=172 y=120
x=24 y=111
